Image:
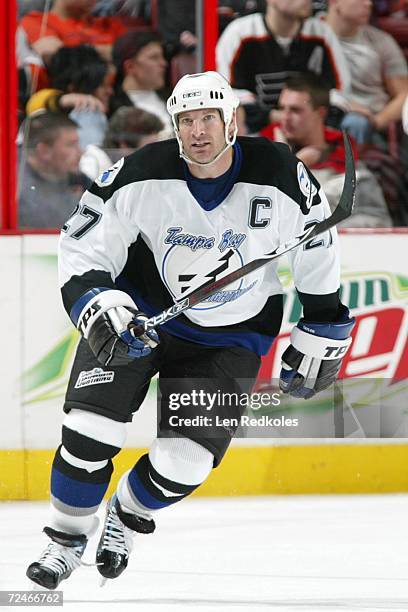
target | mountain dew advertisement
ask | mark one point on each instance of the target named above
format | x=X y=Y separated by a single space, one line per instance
x=373 y=377
x=378 y=301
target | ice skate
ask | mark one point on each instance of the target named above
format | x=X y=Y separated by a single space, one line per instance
x=116 y=542
x=58 y=560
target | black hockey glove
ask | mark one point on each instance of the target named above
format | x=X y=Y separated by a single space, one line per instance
x=313 y=360
x=107 y=319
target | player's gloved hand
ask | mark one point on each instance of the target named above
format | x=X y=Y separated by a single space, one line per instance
x=112 y=340
x=313 y=360
x=109 y=319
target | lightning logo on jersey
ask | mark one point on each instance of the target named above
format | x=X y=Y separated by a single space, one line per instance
x=108 y=176
x=183 y=274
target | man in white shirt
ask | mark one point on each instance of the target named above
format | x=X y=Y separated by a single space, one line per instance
x=379 y=74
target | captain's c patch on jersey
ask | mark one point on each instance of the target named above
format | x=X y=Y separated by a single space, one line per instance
x=108 y=176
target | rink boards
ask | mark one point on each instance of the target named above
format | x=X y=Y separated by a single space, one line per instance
x=39 y=344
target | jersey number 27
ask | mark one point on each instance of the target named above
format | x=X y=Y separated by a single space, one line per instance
x=92 y=218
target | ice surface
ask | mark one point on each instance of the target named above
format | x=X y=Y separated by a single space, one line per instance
x=299 y=553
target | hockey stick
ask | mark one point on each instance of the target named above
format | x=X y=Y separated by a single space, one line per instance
x=342 y=410
x=342 y=211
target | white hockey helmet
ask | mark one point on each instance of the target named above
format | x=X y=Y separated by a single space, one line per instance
x=199 y=91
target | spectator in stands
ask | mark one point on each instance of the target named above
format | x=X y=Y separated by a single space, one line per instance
x=49 y=180
x=304 y=103
x=81 y=86
x=70 y=23
x=141 y=68
x=129 y=129
x=258 y=52
x=379 y=75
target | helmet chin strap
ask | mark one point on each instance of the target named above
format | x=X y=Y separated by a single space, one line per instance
x=203 y=164
x=229 y=141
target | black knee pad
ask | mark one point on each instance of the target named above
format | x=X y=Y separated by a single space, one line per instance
x=86 y=448
x=79 y=474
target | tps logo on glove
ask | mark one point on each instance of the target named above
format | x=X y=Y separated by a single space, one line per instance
x=335 y=351
x=309 y=364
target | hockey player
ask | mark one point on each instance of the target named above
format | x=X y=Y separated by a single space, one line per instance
x=151 y=229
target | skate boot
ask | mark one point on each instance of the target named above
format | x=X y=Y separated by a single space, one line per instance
x=116 y=541
x=58 y=560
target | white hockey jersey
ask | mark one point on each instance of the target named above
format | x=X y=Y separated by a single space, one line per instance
x=140 y=229
x=255 y=63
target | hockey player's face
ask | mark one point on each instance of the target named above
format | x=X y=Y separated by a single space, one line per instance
x=299 y=119
x=202 y=134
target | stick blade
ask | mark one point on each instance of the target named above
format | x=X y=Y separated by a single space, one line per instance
x=348 y=195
